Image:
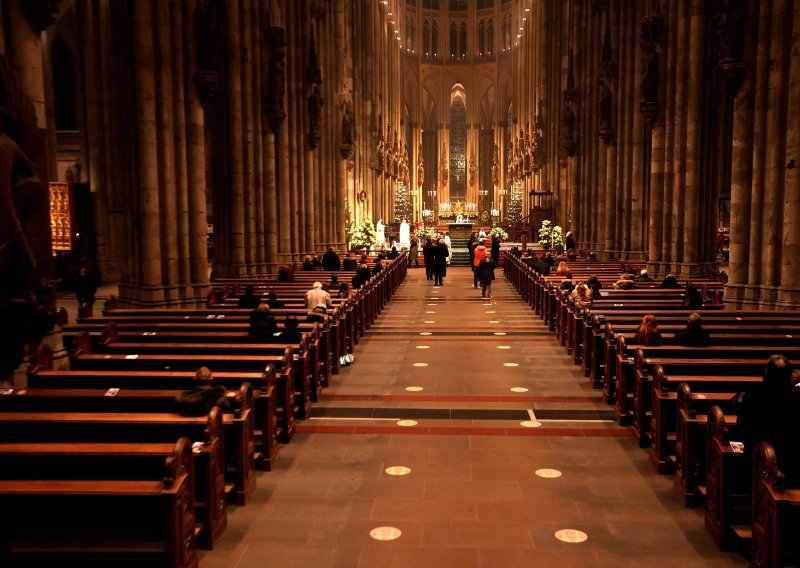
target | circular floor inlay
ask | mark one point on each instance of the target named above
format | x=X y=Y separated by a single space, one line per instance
x=399 y=470
x=423 y=346
x=420 y=364
x=530 y=424
x=499 y=332
x=430 y=321
x=548 y=473
x=430 y=312
x=491 y=312
x=571 y=535
x=407 y=423
x=510 y=364
x=425 y=333
x=431 y=304
x=504 y=347
x=519 y=389
x=385 y=533
x=494 y=321
x=489 y=304
x=414 y=389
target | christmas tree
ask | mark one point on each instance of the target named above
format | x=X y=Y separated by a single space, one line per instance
x=403 y=210
x=514 y=209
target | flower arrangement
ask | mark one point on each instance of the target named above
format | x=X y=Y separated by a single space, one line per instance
x=551 y=236
x=424 y=233
x=499 y=233
x=363 y=235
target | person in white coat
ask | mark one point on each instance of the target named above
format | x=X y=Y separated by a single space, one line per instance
x=449 y=246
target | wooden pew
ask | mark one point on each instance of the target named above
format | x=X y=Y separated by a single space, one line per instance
x=125 y=462
x=138 y=427
x=78 y=521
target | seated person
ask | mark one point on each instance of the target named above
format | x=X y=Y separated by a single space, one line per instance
x=290 y=333
x=262 y=324
x=317 y=262
x=516 y=252
x=548 y=258
x=694 y=335
x=571 y=255
x=648 y=332
x=767 y=412
x=344 y=290
x=317 y=296
x=591 y=257
x=379 y=265
x=332 y=285
x=200 y=399
x=563 y=269
x=317 y=314
x=566 y=283
x=362 y=276
x=273 y=302
x=643 y=276
x=670 y=282
x=625 y=282
x=308 y=263
x=249 y=299
x=350 y=262
x=693 y=299
x=393 y=254
x=285 y=274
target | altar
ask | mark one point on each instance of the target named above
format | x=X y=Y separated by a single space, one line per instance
x=461 y=230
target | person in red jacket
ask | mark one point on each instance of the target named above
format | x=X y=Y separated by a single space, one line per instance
x=480 y=252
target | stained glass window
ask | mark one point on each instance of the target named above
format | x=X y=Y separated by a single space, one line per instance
x=458 y=150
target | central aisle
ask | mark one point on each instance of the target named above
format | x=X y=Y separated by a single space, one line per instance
x=445 y=361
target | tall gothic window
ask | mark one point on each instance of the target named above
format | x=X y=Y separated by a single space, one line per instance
x=481 y=45
x=426 y=39
x=434 y=39
x=463 y=39
x=458 y=150
x=410 y=33
x=489 y=37
x=453 y=39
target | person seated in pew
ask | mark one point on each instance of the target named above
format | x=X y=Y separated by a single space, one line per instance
x=571 y=255
x=643 y=276
x=592 y=281
x=582 y=295
x=566 y=283
x=563 y=269
x=693 y=299
x=625 y=282
x=694 y=335
x=380 y=265
x=648 y=332
x=317 y=295
x=273 y=302
x=249 y=299
x=767 y=412
x=591 y=257
x=394 y=253
x=199 y=400
x=285 y=274
x=548 y=258
x=262 y=324
x=317 y=314
x=308 y=264
x=291 y=332
x=516 y=252
x=330 y=260
x=317 y=262
x=349 y=262
x=344 y=290
x=670 y=282
x=362 y=276
x=542 y=266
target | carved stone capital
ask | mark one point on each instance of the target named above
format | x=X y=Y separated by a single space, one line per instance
x=650 y=110
x=345 y=150
x=733 y=71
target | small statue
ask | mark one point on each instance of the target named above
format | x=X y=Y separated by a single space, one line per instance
x=315 y=104
x=347 y=125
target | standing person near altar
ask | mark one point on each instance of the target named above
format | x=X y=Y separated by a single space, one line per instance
x=380 y=234
x=405 y=234
x=496 y=250
x=440 y=263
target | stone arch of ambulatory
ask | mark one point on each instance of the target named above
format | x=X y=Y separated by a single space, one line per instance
x=412 y=96
x=486 y=109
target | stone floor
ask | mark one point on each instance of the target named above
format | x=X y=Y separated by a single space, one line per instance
x=472 y=496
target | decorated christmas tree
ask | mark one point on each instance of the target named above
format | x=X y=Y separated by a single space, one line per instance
x=403 y=209
x=514 y=209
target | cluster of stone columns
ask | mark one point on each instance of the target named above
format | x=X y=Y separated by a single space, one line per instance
x=675 y=104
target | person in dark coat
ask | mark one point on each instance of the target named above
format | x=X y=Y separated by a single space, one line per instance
x=440 y=263
x=486 y=275
x=767 y=412
x=693 y=299
x=290 y=333
x=86 y=286
x=262 y=325
x=205 y=395
x=362 y=276
x=643 y=276
x=428 y=253
x=308 y=264
x=413 y=252
x=273 y=302
x=569 y=242
x=393 y=253
x=330 y=260
x=496 y=250
x=350 y=262
x=249 y=300
x=694 y=335
x=670 y=282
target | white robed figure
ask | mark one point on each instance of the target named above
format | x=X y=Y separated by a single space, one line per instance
x=405 y=234
x=380 y=233
x=449 y=246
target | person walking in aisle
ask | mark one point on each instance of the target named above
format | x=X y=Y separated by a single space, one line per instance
x=440 y=263
x=413 y=252
x=486 y=275
x=480 y=252
x=428 y=254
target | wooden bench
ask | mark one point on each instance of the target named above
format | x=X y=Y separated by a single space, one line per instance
x=77 y=521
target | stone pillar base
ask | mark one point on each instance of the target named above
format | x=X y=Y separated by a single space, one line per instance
x=230 y=270
x=194 y=295
x=769 y=298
